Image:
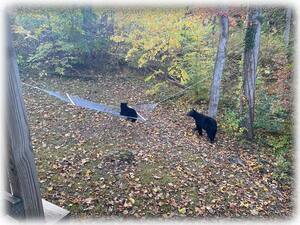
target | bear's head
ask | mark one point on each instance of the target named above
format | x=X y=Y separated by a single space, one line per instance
x=191 y=113
x=124 y=105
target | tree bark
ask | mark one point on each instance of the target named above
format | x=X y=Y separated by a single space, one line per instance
x=87 y=17
x=87 y=27
x=214 y=20
x=21 y=169
x=251 y=52
x=286 y=33
x=219 y=67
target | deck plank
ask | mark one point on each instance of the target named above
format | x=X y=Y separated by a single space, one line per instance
x=54 y=213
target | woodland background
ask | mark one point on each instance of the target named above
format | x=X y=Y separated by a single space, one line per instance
x=144 y=55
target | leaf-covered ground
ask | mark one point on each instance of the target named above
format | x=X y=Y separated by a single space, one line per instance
x=172 y=172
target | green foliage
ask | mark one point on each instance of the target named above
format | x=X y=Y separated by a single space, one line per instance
x=250 y=37
x=280 y=145
x=200 y=91
x=155 y=89
x=53 y=58
x=231 y=122
x=270 y=116
x=283 y=169
x=179 y=47
x=251 y=31
x=272 y=49
x=161 y=90
x=274 y=129
x=274 y=20
x=276 y=123
x=61 y=39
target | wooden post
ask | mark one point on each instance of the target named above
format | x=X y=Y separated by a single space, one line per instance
x=7 y=184
x=22 y=171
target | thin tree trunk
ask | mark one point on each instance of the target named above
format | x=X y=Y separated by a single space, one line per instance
x=219 y=67
x=87 y=14
x=214 y=21
x=21 y=169
x=287 y=26
x=252 y=41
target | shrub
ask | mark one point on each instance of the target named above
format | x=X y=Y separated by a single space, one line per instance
x=231 y=122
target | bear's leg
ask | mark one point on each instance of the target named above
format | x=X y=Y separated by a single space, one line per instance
x=211 y=135
x=199 y=131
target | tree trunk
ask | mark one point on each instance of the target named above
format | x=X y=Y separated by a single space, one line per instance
x=252 y=41
x=219 y=67
x=214 y=20
x=21 y=169
x=87 y=15
x=287 y=26
x=87 y=18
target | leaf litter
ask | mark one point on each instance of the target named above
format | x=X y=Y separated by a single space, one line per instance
x=96 y=165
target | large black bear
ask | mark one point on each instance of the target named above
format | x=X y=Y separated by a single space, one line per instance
x=204 y=122
x=129 y=112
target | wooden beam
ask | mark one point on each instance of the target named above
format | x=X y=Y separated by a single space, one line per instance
x=14 y=206
x=54 y=213
x=21 y=170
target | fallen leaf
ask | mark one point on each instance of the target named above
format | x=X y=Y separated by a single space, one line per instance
x=254 y=212
x=182 y=210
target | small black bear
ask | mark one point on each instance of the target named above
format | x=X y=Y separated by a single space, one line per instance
x=129 y=112
x=204 y=122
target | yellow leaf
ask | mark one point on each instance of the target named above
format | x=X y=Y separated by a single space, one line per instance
x=182 y=210
x=265 y=189
x=254 y=212
x=149 y=78
x=132 y=200
x=245 y=204
x=88 y=173
x=50 y=188
x=184 y=75
x=127 y=204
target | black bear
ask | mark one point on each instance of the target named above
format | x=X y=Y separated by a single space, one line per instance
x=204 y=122
x=129 y=112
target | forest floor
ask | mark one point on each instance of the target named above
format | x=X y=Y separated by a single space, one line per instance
x=174 y=172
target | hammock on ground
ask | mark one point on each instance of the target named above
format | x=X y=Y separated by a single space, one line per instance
x=142 y=110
